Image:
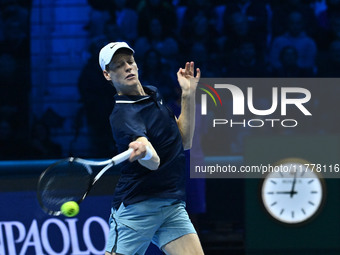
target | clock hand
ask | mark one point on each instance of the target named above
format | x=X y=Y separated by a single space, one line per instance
x=292 y=191
x=286 y=192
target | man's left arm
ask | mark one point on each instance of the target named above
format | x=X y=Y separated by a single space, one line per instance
x=186 y=120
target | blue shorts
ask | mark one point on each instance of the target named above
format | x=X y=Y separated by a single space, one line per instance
x=160 y=221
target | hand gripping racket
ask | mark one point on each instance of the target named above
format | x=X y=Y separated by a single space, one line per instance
x=71 y=179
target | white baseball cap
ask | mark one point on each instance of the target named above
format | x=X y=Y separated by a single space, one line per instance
x=107 y=52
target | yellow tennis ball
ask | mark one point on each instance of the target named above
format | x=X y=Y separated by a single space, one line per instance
x=69 y=209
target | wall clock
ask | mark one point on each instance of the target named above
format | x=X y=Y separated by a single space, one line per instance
x=294 y=193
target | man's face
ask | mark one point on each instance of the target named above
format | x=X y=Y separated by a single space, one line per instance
x=123 y=71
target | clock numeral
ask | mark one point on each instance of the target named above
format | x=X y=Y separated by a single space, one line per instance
x=292 y=214
x=282 y=210
x=310 y=181
x=274 y=203
x=273 y=181
x=270 y=193
x=303 y=211
x=311 y=203
x=314 y=192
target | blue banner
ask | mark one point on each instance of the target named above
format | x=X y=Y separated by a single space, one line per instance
x=26 y=230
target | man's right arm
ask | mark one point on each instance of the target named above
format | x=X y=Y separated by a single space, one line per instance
x=144 y=152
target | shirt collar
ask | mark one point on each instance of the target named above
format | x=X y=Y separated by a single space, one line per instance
x=125 y=99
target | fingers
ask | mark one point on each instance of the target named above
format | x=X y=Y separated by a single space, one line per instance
x=198 y=73
x=139 y=150
x=189 y=70
x=180 y=73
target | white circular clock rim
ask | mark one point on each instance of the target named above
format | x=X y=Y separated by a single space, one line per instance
x=309 y=217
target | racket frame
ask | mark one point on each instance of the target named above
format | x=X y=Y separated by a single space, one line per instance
x=87 y=164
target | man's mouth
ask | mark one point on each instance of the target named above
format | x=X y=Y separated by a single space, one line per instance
x=130 y=76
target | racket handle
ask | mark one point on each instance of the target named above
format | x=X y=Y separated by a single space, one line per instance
x=121 y=157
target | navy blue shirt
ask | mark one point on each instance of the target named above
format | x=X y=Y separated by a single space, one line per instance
x=147 y=116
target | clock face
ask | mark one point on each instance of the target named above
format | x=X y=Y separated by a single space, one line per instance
x=294 y=193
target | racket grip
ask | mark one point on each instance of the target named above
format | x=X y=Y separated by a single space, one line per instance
x=121 y=157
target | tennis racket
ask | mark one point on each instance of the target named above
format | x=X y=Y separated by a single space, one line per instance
x=71 y=179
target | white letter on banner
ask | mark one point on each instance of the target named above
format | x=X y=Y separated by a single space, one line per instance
x=87 y=236
x=262 y=112
x=74 y=238
x=238 y=97
x=33 y=233
x=46 y=242
x=297 y=101
x=2 y=244
x=10 y=237
x=204 y=104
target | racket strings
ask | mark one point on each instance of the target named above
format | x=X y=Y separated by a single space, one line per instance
x=62 y=182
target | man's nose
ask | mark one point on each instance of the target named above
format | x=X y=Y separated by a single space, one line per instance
x=128 y=67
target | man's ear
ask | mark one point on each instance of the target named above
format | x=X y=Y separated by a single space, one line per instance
x=107 y=75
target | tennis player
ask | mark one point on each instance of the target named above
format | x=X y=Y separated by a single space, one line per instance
x=148 y=204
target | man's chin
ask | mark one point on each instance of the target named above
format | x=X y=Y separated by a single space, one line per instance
x=132 y=83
